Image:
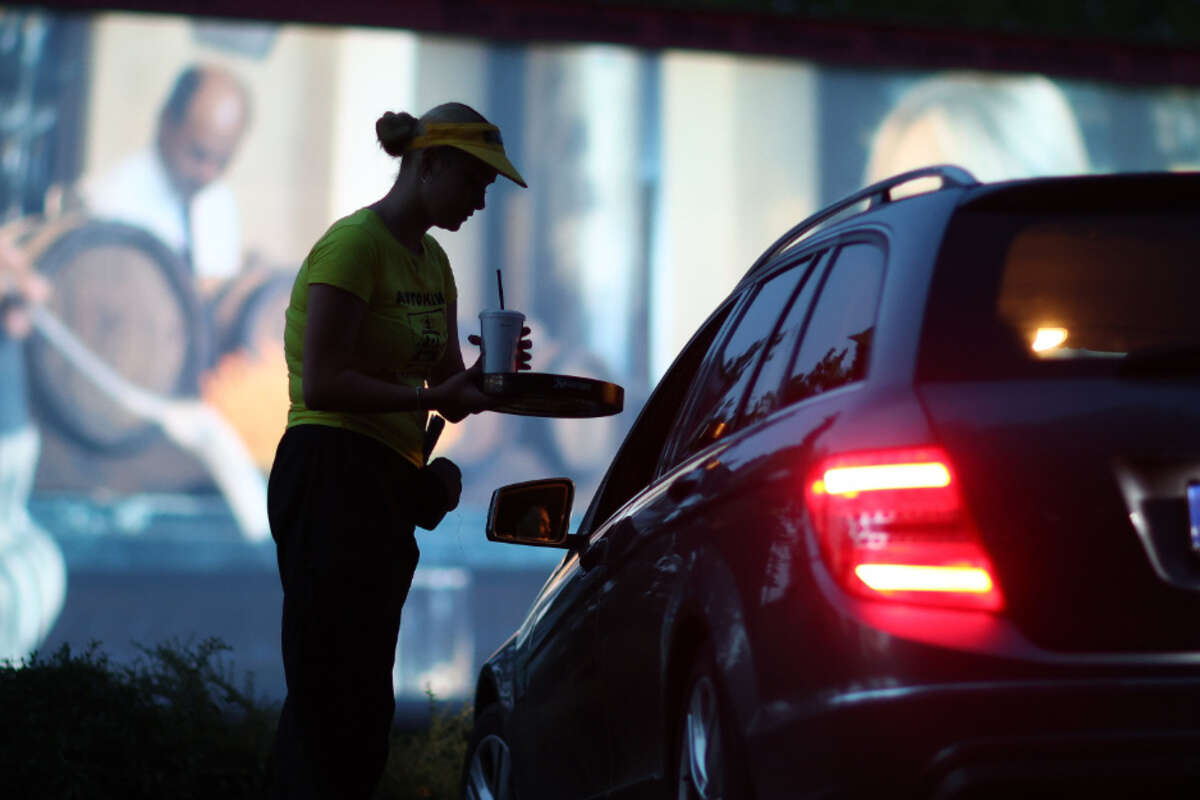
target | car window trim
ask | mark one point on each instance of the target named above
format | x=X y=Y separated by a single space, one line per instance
x=819 y=256
x=816 y=271
x=587 y=524
x=741 y=299
x=859 y=236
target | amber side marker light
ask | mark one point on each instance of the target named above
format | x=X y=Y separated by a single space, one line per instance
x=1047 y=339
x=892 y=525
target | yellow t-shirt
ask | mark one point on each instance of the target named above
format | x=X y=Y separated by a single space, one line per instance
x=403 y=335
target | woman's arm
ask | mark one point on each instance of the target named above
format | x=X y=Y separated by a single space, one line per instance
x=333 y=383
x=451 y=362
x=454 y=392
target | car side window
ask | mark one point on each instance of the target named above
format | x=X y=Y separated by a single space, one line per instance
x=837 y=342
x=637 y=460
x=719 y=389
x=765 y=395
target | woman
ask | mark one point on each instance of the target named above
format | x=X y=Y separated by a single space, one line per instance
x=999 y=127
x=372 y=320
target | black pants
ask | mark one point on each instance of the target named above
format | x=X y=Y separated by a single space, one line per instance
x=346 y=552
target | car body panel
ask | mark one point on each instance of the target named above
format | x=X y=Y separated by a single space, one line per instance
x=1072 y=464
x=658 y=544
x=563 y=626
x=1093 y=660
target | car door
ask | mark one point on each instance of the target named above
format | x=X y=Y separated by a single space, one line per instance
x=562 y=742
x=563 y=737
x=823 y=344
x=650 y=542
x=560 y=731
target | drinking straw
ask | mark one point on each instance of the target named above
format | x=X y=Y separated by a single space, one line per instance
x=500 y=286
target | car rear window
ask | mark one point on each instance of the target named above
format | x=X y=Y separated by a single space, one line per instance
x=1062 y=292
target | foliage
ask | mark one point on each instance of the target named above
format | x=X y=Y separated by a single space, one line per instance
x=174 y=724
x=427 y=764
x=171 y=725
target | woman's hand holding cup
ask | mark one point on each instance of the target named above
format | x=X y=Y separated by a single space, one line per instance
x=524 y=345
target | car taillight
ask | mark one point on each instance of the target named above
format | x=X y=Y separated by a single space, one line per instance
x=892 y=524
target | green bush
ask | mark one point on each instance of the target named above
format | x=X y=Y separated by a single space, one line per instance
x=427 y=764
x=173 y=725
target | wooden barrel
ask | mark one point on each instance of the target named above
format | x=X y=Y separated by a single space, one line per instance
x=248 y=381
x=131 y=300
x=247 y=312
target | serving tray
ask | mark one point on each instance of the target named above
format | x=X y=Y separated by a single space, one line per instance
x=544 y=394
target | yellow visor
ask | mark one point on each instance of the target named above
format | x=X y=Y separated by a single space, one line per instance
x=480 y=139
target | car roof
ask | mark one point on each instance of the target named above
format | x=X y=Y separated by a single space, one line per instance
x=914 y=226
x=833 y=218
x=1142 y=191
x=1145 y=191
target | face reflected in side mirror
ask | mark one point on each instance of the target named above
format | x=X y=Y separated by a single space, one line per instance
x=534 y=513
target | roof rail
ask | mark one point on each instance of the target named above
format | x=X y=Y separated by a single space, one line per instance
x=878 y=194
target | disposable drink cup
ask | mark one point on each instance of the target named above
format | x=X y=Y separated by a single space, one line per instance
x=501 y=335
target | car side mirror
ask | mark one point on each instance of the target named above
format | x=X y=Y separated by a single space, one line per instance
x=534 y=513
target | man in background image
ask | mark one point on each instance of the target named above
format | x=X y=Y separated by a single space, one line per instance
x=173 y=188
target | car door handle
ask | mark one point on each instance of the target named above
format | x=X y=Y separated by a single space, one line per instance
x=683 y=487
x=594 y=556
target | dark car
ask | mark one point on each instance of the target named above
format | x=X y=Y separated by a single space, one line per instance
x=916 y=512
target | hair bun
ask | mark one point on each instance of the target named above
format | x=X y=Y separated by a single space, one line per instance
x=396 y=131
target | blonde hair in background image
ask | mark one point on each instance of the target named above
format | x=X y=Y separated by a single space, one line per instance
x=998 y=127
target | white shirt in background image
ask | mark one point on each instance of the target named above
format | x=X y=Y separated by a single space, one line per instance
x=138 y=191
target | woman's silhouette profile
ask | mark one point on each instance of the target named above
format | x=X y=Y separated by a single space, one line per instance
x=372 y=346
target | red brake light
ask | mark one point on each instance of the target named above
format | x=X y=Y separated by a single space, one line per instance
x=892 y=524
